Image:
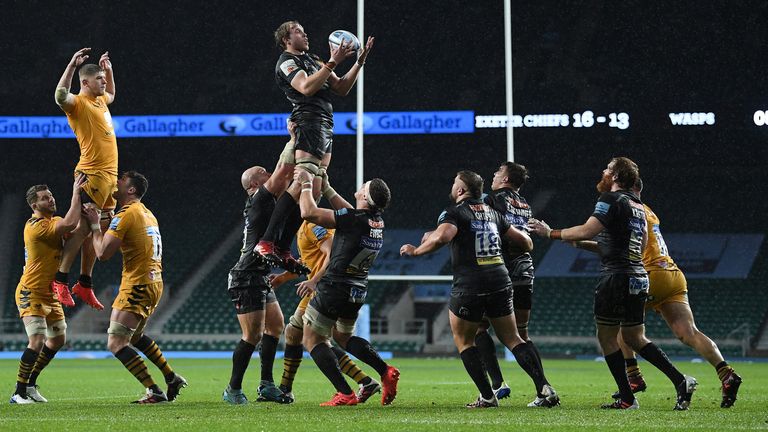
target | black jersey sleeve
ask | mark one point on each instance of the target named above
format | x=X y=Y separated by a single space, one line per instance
x=502 y=223
x=606 y=208
x=449 y=215
x=288 y=68
x=345 y=219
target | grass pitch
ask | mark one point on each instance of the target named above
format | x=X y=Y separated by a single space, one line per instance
x=95 y=395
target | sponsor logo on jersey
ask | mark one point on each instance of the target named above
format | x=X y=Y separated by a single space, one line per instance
x=288 y=66
x=602 y=207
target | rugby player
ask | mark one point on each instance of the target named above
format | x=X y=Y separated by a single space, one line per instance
x=39 y=310
x=619 y=223
x=135 y=233
x=308 y=84
x=342 y=290
x=481 y=284
x=89 y=117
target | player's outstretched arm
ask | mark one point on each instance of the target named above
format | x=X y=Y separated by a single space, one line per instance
x=70 y=220
x=309 y=209
x=343 y=85
x=587 y=245
x=106 y=65
x=308 y=287
x=105 y=245
x=438 y=238
x=586 y=231
x=64 y=98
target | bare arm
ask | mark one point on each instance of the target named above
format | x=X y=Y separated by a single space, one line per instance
x=70 y=220
x=440 y=237
x=334 y=199
x=586 y=231
x=343 y=85
x=309 y=209
x=105 y=245
x=64 y=98
x=587 y=245
x=106 y=64
x=307 y=287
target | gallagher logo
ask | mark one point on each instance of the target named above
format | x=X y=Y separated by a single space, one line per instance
x=232 y=125
x=351 y=123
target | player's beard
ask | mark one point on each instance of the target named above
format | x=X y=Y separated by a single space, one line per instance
x=605 y=184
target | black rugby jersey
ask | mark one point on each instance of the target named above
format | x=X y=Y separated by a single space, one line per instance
x=478 y=266
x=358 y=240
x=621 y=242
x=317 y=106
x=516 y=211
x=258 y=210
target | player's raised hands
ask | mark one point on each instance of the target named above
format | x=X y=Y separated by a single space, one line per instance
x=78 y=184
x=301 y=175
x=91 y=215
x=365 y=51
x=341 y=52
x=104 y=61
x=79 y=57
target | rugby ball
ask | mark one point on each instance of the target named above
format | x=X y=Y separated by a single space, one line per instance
x=339 y=36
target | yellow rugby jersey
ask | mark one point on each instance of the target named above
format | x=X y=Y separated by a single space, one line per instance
x=656 y=255
x=142 y=246
x=92 y=124
x=42 y=252
x=309 y=238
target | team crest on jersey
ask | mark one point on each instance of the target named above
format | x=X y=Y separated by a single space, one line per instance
x=288 y=66
x=602 y=207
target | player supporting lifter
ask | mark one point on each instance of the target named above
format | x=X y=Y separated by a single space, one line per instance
x=668 y=296
x=618 y=222
x=89 y=117
x=342 y=290
x=314 y=243
x=39 y=310
x=481 y=284
x=135 y=232
x=308 y=84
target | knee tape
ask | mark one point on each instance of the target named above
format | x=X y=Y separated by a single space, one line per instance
x=61 y=95
x=35 y=326
x=117 y=329
x=288 y=155
x=297 y=321
x=310 y=165
x=345 y=326
x=57 y=328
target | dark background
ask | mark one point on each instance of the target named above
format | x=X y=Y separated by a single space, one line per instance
x=640 y=57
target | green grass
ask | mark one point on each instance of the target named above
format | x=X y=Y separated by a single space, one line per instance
x=95 y=395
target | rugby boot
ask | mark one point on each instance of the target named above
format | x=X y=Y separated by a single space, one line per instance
x=269 y=393
x=152 y=397
x=502 y=392
x=341 y=399
x=621 y=405
x=291 y=264
x=684 y=392
x=21 y=400
x=636 y=383
x=730 y=389
x=368 y=390
x=34 y=394
x=288 y=394
x=547 y=399
x=174 y=387
x=234 y=397
x=484 y=403
x=389 y=385
x=268 y=253
x=62 y=294
x=87 y=295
